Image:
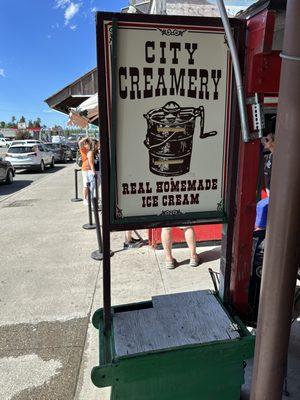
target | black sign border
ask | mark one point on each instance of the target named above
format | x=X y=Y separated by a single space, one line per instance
x=108 y=146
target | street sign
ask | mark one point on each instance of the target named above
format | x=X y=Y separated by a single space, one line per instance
x=167 y=110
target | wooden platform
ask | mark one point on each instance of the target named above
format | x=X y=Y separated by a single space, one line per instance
x=175 y=320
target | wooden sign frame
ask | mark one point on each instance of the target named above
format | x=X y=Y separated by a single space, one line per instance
x=110 y=23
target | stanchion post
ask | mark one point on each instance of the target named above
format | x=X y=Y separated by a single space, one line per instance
x=96 y=188
x=90 y=224
x=98 y=254
x=76 y=198
x=99 y=208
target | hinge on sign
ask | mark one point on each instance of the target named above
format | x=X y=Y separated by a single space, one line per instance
x=258 y=118
x=234 y=326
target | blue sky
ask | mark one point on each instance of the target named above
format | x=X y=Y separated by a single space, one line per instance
x=45 y=45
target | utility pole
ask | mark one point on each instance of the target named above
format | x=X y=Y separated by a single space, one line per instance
x=282 y=243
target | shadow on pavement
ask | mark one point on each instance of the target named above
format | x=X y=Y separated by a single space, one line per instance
x=205 y=256
x=211 y=255
x=36 y=172
x=6 y=190
x=25 y=178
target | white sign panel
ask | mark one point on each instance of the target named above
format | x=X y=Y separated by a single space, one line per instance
x=171 y=103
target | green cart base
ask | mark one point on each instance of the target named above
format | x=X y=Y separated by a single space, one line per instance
x=203 y=371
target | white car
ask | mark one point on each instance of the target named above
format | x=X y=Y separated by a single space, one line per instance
x=27 y=156
x=3 y=142
x=25 y=141
x=58 y=139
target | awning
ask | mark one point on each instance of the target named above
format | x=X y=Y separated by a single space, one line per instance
x=86 y=113
x=72 y=95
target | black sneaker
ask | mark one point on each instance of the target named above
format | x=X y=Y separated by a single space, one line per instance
x=133 y=240
x=133 y=244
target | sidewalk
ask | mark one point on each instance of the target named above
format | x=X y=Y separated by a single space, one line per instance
x=47 y=286
x=50 y=287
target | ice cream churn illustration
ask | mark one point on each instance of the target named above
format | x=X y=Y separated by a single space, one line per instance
x=170 y=138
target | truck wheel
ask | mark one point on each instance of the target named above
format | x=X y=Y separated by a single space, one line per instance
x=9 y=177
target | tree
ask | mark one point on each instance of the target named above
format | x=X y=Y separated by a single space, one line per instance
x=22 y=134
x=30 y=124
x=13 y=121
x=3 y=124
x=37 y=122
x=22 y=119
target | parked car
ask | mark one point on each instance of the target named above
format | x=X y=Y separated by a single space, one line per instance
x=26 y=156
x=61 y=152
x=25 y=141
x=73 y=138
x=58 y=139
x=3 y=142
x=7 y=171
x=74 y=148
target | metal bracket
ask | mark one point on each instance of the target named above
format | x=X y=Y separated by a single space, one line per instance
x=258 y=117
x=233 y=327
x=287 y=57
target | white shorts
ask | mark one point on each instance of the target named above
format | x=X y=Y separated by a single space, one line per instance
x=180 y=227
x=84 y=178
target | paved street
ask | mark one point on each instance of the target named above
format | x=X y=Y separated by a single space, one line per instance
x=49 y=288
x=24 y=178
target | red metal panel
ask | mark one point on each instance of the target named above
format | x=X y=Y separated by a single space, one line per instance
x=261 y=67
x=242 y=243
x=265 y=73
x=204 y=233
x=260 y=30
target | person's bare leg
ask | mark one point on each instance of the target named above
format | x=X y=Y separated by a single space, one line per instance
x=128 y=236
x=191 y=242
x=85 y=193
x=166 y=240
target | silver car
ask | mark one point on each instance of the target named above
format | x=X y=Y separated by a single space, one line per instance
x=27 y=156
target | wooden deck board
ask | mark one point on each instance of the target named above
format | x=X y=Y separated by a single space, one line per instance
x=175 y=320
x=211 y=323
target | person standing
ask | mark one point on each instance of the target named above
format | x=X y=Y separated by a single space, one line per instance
x=84 y=145
x=269 y=146
x=166 y=239
x=131 y=242
x=93 y=157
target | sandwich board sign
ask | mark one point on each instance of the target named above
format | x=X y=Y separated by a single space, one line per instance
x=166 y=105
